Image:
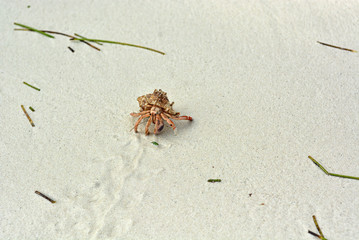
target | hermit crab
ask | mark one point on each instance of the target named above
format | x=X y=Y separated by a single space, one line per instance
x=157 y=107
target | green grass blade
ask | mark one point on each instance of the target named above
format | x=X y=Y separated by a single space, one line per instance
x=78 y=35
x=35 y=30
x=214 y=180
x=343 y=176
x=320 y=166
x=331 y=174
x=120 y=43
x=38 y=89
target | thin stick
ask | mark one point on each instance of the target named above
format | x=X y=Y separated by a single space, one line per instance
x=121 y=43
x=331 y=174
x=38 y=89
x=28 y=117
x=35 y=30
x=59 y=33
x=316 y=224
x=314 y=234
x=71 y=49
x=78 y=35
x=44 y=196
x=329 y=45
x=32 y=109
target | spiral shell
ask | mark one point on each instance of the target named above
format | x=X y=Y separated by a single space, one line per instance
x=159 y=99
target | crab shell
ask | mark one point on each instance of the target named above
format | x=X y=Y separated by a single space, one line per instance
x=159 y=99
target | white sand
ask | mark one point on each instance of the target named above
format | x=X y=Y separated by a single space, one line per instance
x=263 y=94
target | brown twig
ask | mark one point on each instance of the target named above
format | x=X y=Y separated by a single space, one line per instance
x=44 y=196
x=314 y=234
x=329 y=45
x=318 y=228
x=27 y=115
x=321 y=236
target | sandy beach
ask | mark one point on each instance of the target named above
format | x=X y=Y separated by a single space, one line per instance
x=262 y=92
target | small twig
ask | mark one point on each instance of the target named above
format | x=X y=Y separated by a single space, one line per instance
x=316 y=224
x=214 y=180
x=314 y=234
x=59 y=33
x=32 y=109
x=35 y=30
x=321 y=236
x=44 y=196
x=121 y=43
x=331 y=174
x=71 y=49
x=27 y=115
x=38 y=89
x=329 y=45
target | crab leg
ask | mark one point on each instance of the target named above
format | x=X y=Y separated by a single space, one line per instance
x=159 y=124
x=180 y=117
x=140 y=119
x=139 y=114
x=168 y=121
x=148 y=124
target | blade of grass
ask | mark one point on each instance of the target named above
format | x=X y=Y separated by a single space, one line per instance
x=78 y=35
x=35 y=30
x=331 y=174
x=63 y=34
x=38 y=89
x=120 y=43
x=214 y=180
